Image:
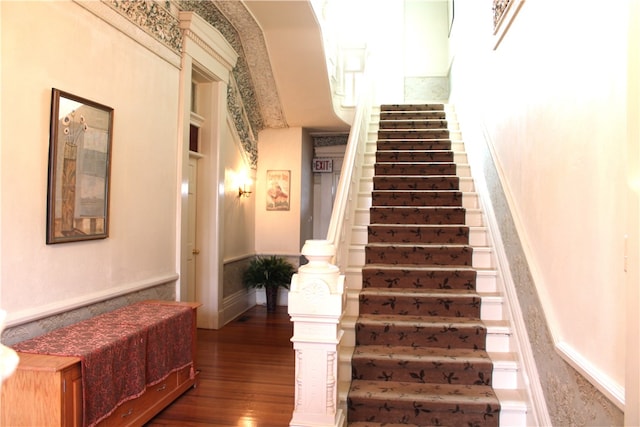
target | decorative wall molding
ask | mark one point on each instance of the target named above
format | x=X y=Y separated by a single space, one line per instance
x=151 y=17
x=504 y=11
x=328 y=140
x=114 y=17
x=24 y=325
x=257 y=60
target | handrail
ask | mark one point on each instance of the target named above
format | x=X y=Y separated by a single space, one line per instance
x=346 y=198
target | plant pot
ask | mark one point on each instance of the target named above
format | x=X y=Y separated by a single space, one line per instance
x=272 y=298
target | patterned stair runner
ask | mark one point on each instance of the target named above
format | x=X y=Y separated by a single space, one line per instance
x=420 y=356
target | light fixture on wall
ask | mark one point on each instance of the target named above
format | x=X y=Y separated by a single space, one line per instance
x=244 y=186
x=243 y=192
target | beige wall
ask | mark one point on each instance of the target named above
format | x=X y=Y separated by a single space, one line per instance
x=551 y=102
x=426 y=27
x=239 y=212
x=278 y=232
x=62 y=45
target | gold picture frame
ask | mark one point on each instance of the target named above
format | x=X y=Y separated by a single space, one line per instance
x=278 y=190
x=79 y=169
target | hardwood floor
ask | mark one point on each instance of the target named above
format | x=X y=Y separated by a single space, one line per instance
x=246 y=375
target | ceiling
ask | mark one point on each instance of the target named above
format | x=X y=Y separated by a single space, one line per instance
x=295 y=51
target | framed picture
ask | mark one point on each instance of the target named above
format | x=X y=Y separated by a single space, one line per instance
x=79 y=167
x=278 y=186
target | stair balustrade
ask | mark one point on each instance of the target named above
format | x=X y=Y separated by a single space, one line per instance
x=317 y=295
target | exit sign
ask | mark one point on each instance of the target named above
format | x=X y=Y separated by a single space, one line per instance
x=323 y=165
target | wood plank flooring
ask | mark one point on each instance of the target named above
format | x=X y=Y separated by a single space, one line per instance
x=246 y=375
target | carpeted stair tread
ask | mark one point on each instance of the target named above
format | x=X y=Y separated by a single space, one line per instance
x=417 y=215
x=420 y=302
x=419 y=234
x=413 y=124
x=413 y=134
x=416 y=182
x=422 y=365
x=423 y=404
x=400 y=353
x=418 y=331
x=419 y=168
x=448 y=395
x=373 y=424
x=418 y=277
x=414 y=156
x=415 y=115
x=414 y=144
x=419 y=198
x=450 y=255
x=420 y=345
x=412 y=107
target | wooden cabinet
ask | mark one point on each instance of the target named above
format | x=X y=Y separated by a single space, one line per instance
x=44 y=391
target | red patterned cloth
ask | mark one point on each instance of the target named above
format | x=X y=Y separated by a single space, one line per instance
x=121 y=352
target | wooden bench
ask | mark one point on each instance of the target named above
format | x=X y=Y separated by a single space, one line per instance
x=117 y=369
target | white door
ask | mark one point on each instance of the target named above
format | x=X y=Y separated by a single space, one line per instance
x=192 y=247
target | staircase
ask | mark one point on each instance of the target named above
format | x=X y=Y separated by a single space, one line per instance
x=431 y=343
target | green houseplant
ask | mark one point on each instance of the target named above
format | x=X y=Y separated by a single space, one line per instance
x=270 y=273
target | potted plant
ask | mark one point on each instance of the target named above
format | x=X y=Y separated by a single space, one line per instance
x=270 y=273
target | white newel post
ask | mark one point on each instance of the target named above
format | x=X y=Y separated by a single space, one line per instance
x=315 y=305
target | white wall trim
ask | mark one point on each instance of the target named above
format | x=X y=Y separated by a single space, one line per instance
x=236 y=304
x=35 y=313
x=602 y=382
x=614 y=391
x=540 y=412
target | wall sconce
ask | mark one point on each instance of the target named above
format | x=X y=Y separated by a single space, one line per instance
x=243 y=192
x=244 y=186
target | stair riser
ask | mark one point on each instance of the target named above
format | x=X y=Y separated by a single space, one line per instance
x=416 y=198
x=437 y=371
x=428 y=335
x=469 y=200
x=396 y=234
x=417 y=216
x=416 y=183
x=419 y=156
x=414 y=156
x=419 y=279
x=413 y=144
x=481 y=258
x=423 y=169
x=416 y=115
x=496 y=342
x=464 y=184
x=384 y=108
x=417 y=134
x=472 y=217
x=417 y=124
x=422 y=305
x=422 y=415
x=419 y=255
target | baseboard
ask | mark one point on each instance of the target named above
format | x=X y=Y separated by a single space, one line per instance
x=540 y=412
x=235 y=305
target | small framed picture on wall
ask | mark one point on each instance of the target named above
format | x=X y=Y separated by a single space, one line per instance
x=278 y=186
